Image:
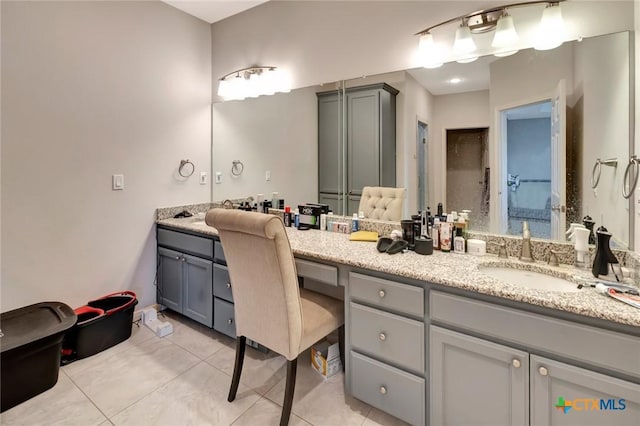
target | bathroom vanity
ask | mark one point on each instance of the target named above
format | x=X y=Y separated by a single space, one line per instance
x=433 y=340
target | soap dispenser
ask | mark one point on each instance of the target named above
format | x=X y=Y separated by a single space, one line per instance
x=604 y=256
x=581 y=236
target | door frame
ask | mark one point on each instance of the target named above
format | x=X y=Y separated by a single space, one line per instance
x=427 y=164
x=498 y=202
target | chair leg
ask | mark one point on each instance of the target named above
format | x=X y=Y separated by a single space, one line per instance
x=237 y=368
x=341 y=346
x=288 y=392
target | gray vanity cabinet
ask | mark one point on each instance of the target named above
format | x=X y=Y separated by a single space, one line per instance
x=476 y=382
x=185 y=274
x=386 y=346
x=356 y=143
x=596 y=399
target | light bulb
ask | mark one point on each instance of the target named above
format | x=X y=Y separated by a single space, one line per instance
x=551 y=30
x=428 y=52
x=505 y=37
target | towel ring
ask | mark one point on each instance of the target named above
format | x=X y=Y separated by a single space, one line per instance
x=597 y=169
x=633 y=162
x=237 y=168
x=184 y=163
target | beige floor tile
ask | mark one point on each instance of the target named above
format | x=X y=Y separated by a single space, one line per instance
x=380 y=418
x=264 y=413
x=319 y=401
x=260 y=371
x=63 y=404
x=197 y=397
x=128 y=376
x=196 y=340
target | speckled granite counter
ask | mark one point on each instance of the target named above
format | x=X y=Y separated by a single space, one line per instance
x=449 y=269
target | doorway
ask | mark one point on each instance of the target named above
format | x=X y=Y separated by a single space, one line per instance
x=467 y=178
x=528 y=143
x=421 y=150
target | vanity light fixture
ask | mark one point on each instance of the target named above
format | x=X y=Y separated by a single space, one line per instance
x=252 y=82
x=550 y=33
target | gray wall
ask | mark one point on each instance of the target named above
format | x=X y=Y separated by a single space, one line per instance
x=91 y=89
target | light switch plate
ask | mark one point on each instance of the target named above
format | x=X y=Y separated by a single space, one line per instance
x=117 y=182
x=267 y=175
x=203 y=178
x=218 y=177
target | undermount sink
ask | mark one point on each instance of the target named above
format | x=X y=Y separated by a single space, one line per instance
x=529 y=279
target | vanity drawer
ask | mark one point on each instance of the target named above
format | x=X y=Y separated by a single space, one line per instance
x=323 y=273
x=391 y=390
x=219 y=253
x=224 y=317
x=185 y=242
x=387 y=336
x=591 y=345
x=387 y=294
x=222 y=283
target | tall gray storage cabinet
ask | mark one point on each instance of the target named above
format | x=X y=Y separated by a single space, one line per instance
x=356 y=143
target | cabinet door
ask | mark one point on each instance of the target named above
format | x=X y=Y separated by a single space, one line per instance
x=334 y=201
x=170 y=279
x=353 y=205
x=198 y=289
x=475 y=382
x=329 y=134
x=363 y=140
x=562 y=394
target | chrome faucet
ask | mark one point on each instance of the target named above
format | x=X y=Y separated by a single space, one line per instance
x=525 y=250
x=502 y=248
x=227 y=204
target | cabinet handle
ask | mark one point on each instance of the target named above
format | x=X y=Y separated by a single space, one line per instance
x=383 y=337
x=516 y=363
x=230 y=321
x=543 y=371
x=383 y=390
x=228 y=285
x=382 y=294
x=177 y=257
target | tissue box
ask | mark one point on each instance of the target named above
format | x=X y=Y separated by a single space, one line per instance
x=325 y=358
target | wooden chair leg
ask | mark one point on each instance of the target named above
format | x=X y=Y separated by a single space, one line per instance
x=288 y=391
x=237 y=368
x=341 y=346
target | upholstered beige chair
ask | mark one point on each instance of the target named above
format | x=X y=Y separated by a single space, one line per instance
x=270 y=308
x=382 y=203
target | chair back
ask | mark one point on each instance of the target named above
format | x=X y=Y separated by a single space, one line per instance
x=263 y=277
x=382 y=203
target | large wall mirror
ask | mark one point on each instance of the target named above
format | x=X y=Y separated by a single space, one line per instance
x=475 y=136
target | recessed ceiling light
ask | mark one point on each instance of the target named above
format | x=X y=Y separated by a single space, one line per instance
x=455 y=80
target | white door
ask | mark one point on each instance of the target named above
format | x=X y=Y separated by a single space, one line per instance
x=558 y=161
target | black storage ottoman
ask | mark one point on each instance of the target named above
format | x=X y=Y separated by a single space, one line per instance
x=31 y=342
x=102 y=323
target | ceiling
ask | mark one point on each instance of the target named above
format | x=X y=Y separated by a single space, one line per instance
x=213 y=10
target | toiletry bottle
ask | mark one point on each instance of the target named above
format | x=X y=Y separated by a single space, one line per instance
x=459 y=242
x=296 y=218
x=323 y=222
x=260 y=203
x=424 y=224
x=287 y=216
x=445 y=237
x=439 y=211
x=435 y=234
x=417 y=225
x=355 y=226
x=275 y=200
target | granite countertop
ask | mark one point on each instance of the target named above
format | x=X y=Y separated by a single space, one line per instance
x=449 y=269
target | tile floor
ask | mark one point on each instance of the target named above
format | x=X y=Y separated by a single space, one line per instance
x=183 y=379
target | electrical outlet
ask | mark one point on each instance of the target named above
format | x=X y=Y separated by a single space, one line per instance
x=267 y=175
x=218 y=177
x=203 y=178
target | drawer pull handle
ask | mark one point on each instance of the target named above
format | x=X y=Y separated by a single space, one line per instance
x=382 y=293
x=516 y=363
x=543 y=371
x=228 y=285
x=230 y=321
x=383 y=337
x=383 y=390
x=177 y=257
